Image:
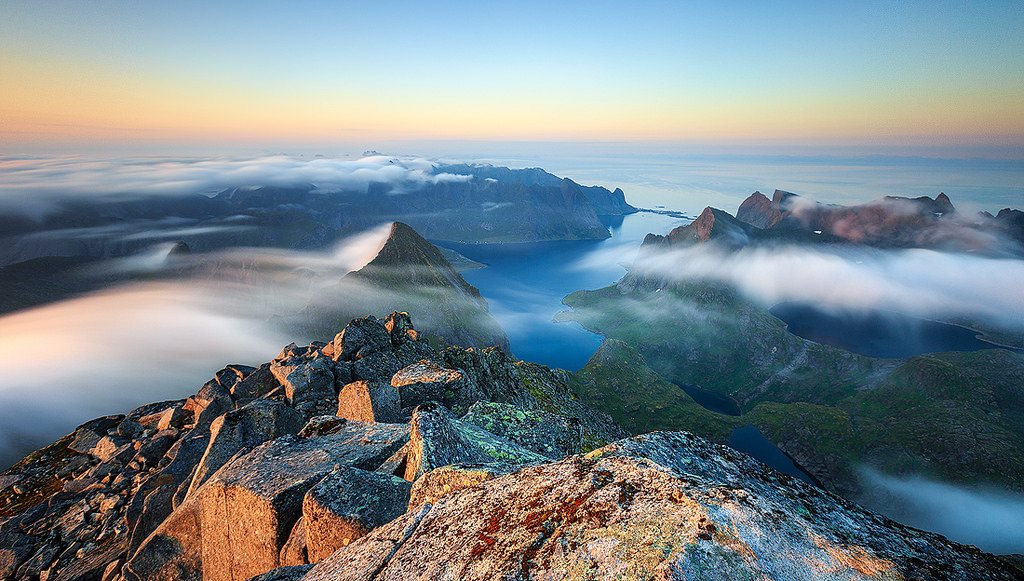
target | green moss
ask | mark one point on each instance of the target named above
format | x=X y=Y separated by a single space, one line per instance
x=617 y=381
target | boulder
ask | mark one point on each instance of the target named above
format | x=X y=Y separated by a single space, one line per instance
x=666 y=505
x=438 y=439
x=399 y=327
x=377 y=366
x=552 y=435
x=294 y=550
x=89 y=434
x=236 y=524
x=425 y=381
x=309 y=387
x=255 y=385
x=348 y=504
x=212 y=401
x=360 y=338
x=369 y=401
x=244 y=428
x=492 y=370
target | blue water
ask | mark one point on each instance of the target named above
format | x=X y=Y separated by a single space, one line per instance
x=753 y=443
x=877 y=333
x=524 y=285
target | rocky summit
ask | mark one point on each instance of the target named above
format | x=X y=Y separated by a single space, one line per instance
x=376 y=456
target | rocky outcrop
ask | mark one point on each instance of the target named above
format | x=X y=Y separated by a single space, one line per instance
x=440 y=439
x=256 y=471
x=667 y=505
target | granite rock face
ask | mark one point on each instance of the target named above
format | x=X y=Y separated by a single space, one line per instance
x=348 y=504
x=667 y=505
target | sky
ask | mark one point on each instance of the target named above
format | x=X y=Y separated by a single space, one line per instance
x=81 y=75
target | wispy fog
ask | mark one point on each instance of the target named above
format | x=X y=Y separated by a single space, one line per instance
x=917 y=282
x=989 y=519
x=32 y=185
x=108 y=352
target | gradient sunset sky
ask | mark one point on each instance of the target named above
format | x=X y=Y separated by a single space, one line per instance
x=74 y=75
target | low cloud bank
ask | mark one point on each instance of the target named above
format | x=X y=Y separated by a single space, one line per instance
x=917 y=282
x=108 y=352
x=989 y=519
x=32 y=185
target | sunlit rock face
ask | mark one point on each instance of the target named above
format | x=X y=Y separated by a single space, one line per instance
x=667 y=505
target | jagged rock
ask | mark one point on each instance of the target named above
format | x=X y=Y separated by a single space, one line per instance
x=439 y=482
x=757 y=210
x=666 y=505
x=399 y=327
x=116 y=448
x=377 y=366
x=208 y=404
x=322 y=426
x=173 y=416
x=369 y=401
x=438 y=439
x=425 y=381
x=395 y=465
x=89 y=434
x=492 y=370
x=293 y=573
x=347 y=504
x=235 y=525
x=360 y=338
x=309 y=387
x=294 y=550
x=244 y=428
x=551 y=435
x=255 y=385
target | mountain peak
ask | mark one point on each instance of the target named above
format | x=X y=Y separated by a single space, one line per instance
x=757 y=210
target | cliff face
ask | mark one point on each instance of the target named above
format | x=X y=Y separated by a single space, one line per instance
x=376 y=456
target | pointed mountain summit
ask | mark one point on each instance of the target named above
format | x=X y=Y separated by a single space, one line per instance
x=408 y=259
x=757 y=210
x=409 y=273
x=712 y=224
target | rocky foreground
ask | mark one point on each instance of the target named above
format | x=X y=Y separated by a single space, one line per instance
x=376 y=457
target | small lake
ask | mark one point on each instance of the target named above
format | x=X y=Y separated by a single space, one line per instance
x=877 y=333
x=753 y=443
x=524 y=285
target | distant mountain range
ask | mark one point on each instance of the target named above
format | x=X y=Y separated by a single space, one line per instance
x=490 y=205
x=890 y=222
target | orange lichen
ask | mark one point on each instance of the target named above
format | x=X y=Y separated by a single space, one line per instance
x=854 y=557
